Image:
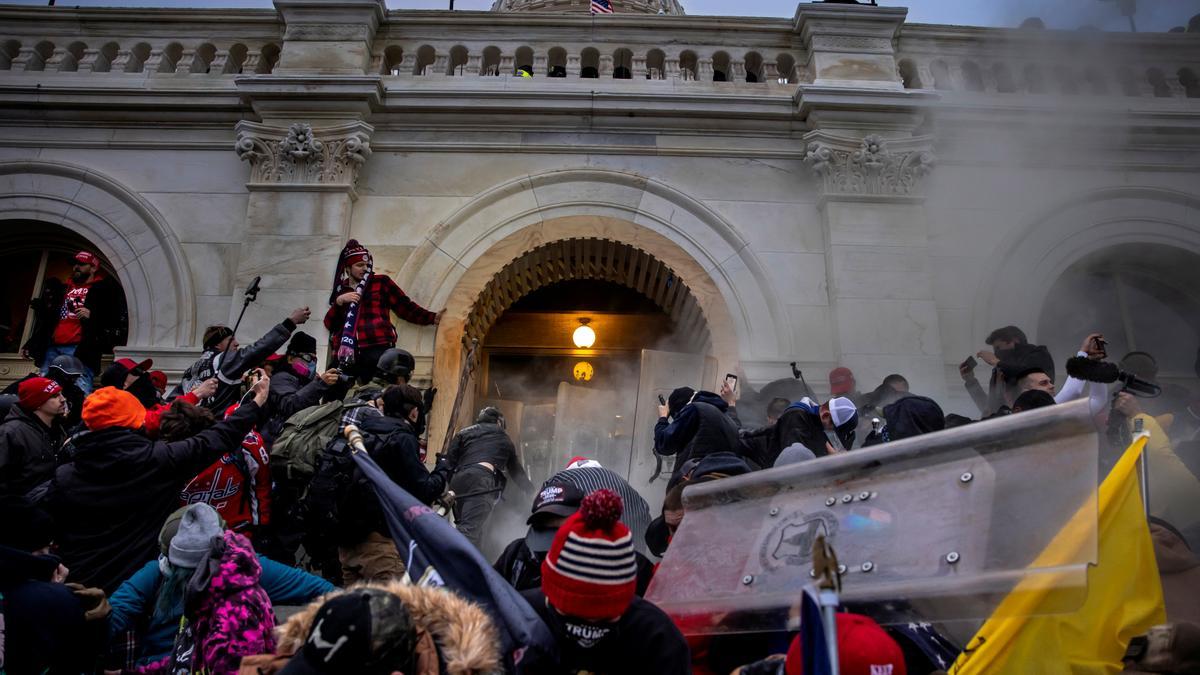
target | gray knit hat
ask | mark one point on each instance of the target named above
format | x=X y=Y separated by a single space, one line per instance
x=191 y=544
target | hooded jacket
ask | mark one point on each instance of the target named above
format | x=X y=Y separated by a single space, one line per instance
x=799 y=424
x=702 y=427
x=105 y=328
x=110 y=500
x=290 y=394
x=1012 y=363
x=228 y=367
x=913 y=416
x=465 y=637
x=27 y=450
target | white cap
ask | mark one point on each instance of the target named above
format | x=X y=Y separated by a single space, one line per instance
x=842 y=410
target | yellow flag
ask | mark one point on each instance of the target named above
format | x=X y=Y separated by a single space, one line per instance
x=1124 y=597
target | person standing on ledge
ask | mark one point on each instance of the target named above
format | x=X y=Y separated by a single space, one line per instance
x=359 y=316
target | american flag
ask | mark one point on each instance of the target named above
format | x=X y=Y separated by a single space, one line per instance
x=601 y=7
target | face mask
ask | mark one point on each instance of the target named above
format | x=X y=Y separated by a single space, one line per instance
x=302 y=369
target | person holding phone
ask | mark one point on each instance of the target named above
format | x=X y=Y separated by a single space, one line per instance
x=694 y=424
x=1011 y=355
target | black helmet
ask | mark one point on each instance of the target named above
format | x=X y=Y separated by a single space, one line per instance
x=396 y=363
x=68 y=365
x=491 y=415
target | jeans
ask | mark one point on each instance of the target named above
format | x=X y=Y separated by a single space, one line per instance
x=471 y=513
x=84 y=381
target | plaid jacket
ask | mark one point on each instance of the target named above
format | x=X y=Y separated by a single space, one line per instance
x=374 y=320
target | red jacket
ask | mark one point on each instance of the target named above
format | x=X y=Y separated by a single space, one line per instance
x=241 y=494
x=374 y=319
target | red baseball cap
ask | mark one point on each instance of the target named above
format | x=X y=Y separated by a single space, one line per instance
x=841 y=381
x=87 y=258
x=863 y=649
x=130 y=365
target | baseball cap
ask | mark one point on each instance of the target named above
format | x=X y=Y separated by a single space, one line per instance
x=130 y=365
x=559 y=499
x=87 y=258
x=841 y=381
x=843 y=411
x=365 y=630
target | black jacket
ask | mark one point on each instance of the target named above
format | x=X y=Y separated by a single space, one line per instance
x=110 y=501
x=489 y=443
x=45 y=630
x=702 y=427
x=27 y=451
x=1012 y=363
x=289 y=395
x=232 y=365
x=522 y=568
x=105 y=328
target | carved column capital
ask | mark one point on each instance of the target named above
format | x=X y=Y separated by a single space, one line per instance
x=300 y=157
x=870 y=165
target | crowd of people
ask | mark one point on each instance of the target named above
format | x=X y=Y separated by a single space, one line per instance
x=222 y=525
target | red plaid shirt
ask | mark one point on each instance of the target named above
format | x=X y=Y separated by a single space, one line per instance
x=374 y=320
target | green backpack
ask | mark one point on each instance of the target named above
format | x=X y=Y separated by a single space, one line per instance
x=305 y=435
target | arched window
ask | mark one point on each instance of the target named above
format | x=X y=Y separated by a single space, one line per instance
x=458 y=60
x=687 y=65
x=972 y=76
x=941 y=75
x=1191 y=85
x=908 y=74
x=491 y=61
x=392 y=56
x=786 y=65
x=556 y=62
x=30 y=253
x=425 y=57
x=1004 y=79
x=589 y=62
x=720 y=66
x=524 y=59
x=656 y=62
x=754 y=67
x=622 y=64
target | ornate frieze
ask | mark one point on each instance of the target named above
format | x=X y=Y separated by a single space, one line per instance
x=300 y=155
x=872 y=167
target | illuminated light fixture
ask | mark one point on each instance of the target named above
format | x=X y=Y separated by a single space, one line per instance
x=584 y=337
x=583 y=372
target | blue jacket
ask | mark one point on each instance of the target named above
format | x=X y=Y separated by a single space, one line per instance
x=703 y=426
x=133 y=604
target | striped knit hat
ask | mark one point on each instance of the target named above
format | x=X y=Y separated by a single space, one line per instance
x=590 y=571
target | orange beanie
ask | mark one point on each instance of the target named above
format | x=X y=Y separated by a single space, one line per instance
x=112 y=407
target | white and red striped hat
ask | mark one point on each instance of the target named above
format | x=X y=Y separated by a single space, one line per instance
x=590 y=571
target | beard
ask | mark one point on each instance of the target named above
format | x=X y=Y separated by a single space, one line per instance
x=79 y=277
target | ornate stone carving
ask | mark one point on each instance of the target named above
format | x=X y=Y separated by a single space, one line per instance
x=872 y=168
x=300 y=155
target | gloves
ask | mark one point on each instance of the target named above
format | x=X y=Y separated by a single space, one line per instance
x=95 y=604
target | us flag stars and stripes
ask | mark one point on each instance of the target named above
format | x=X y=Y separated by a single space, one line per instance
x=601 y=7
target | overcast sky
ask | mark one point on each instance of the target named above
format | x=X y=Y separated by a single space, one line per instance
x=1152 y=15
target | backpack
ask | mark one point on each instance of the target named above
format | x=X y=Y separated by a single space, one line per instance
x=333 y=477
x=304 y=435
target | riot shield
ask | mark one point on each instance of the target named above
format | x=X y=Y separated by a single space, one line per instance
x=934 y=528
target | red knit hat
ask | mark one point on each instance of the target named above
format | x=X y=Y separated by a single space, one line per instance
x=35 y=391
x=354 y=252
x=863 y=649
x=590 y=571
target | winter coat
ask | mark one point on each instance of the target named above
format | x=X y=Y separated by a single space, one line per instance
x=702 y=427
x=486 y=442
x=1012 y=363
x=229 y=367
x=799 y=424
x=105 y=328
x=913 y=416
x=111 y=499
x=134 y=604
x=466 y=639
x=290 y=394
x=27 y=450
x=229 y=612
x=375 y=328
x=237 y=485
x=522 y=568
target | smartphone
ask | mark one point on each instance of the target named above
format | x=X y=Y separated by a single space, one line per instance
x=969 y=364
x=1100 y=345
x=731 y=380
x=661 y=400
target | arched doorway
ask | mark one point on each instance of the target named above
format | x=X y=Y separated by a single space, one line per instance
x=564 y=398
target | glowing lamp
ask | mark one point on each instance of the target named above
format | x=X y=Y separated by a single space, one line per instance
x=584 y=337
x=583 y=371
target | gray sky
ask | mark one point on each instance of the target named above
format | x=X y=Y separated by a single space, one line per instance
x=1152 y=15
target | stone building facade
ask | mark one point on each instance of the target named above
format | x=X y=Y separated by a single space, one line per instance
x=840 y=187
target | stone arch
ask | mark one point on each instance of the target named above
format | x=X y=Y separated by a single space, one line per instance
x=127 y=229
x=1073 y=229
x=462 y=254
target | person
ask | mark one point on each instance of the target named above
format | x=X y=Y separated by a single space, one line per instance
x=588 y=599
x=226 y=360
x=134 y=377
x=46 y=625
x=31 y=435
x=66 y=371
x=365 y=547
x=159 y=379
x=589 y=475
x=521 y=561
x=83 y=318
x=237 y=484
x=1034 y=379
x=213 y=576
x=1032 y=399
x=106 y=502
x=394 y=366
x=295 y=383
x=383 y=629
x=864 y=648
x=912 y=416
x=693 y=424
x=824 y=429
x=359 y=338
x=756 y=444
x=1011 y=354
x=843 y=384
x=149 y=604
x=1178 y=570
x=482 y=455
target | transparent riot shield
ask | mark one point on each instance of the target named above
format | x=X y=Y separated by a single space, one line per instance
x=934 y=528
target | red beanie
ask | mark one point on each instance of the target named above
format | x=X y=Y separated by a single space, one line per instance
x=35 y=391
x=590 y=571
x=112 y=407
x=863 y=649
x=354 y=252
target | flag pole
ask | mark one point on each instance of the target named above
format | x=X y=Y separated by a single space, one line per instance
x=825 y=564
